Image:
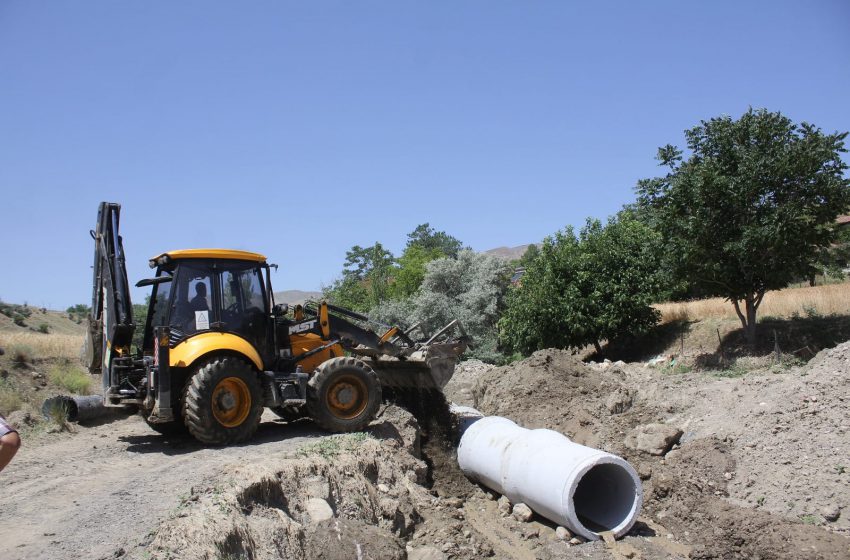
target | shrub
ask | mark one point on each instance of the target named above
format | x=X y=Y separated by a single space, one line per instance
x=21 y=355
x=71 y=379
x=10 y=400
x=44 y=328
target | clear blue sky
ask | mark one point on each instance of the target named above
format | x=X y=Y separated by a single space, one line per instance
x=299 y=129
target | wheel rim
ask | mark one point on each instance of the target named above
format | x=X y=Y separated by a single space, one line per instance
x=347 y=397
x=231 y=402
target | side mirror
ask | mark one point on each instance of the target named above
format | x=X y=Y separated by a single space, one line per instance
x=280 y=309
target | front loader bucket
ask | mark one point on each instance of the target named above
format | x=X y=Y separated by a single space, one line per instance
x=430 y=367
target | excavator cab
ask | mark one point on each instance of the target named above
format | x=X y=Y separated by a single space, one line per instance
x=211 y=290
x=216 y=350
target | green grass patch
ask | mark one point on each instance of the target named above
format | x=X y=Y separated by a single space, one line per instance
x=10 y=400
x=71 y=379
x=332 y=446
x=810 y=519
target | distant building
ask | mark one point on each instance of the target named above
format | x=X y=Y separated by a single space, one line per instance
x=519 y=272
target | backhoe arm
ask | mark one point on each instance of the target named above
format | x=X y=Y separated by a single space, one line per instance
x=110 y=325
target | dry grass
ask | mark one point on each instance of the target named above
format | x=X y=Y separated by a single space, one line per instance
x=831 y=299
x=44 y=346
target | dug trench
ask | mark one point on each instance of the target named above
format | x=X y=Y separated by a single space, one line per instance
x=746 y=467
x=712 y=491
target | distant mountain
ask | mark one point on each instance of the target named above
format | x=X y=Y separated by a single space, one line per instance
x=508 y=253
x=293 y=297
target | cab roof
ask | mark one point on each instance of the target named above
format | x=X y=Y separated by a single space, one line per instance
x=232 y=254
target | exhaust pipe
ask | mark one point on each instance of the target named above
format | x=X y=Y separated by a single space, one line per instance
x=75 y=408
x=584 y=489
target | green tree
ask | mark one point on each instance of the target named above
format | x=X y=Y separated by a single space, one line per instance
x=428 y=239
x=583 y=289
x=751 y=208
x=411 y=270
x=528 y=257
x=366 y=277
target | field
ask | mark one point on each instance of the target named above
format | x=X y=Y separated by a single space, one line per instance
x=829 y=299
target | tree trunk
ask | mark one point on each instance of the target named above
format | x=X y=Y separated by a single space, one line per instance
x=748 y=321
x=598 y=348
x=751 y=321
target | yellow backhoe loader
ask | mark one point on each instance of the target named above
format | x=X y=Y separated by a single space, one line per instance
x=217 y=350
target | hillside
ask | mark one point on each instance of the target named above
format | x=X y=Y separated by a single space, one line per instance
x=58 y=322
x=293 y=297
x=508 y=253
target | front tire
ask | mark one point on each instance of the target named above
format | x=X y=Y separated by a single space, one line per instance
x=223 y=401
x=343 y=395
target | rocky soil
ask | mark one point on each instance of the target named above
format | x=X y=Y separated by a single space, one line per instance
x=756 y=466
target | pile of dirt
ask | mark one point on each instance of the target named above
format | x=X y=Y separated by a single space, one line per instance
x=346 y=496
x=757 y=467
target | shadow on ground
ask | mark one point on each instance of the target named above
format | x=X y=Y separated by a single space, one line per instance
x=267 y=432
x=799 y=338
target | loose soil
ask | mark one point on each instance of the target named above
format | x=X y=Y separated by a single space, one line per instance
x=761 y=470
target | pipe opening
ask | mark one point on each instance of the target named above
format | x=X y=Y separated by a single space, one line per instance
x=606 y=498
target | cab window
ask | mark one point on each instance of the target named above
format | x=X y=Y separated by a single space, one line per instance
x=191 y=310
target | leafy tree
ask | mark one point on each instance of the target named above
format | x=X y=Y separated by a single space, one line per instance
x=411 y=270
x=751 y=208
x=425 y=237
x=470 y=288
x=349 y=292
x=528 y=257
x=584 y=289
x=366 y=277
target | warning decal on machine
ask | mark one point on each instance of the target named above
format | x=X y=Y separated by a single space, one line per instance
x=202 y=320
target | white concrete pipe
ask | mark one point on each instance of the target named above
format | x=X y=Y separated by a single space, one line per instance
x=584 y=489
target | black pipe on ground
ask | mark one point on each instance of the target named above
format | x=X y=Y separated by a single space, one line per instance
x=75 y=408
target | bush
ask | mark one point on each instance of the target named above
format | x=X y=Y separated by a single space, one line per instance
x=10 y=400
x=44 y=328
x=21 y=355
x=71 y=379
x=19 y=320
x=470 y=288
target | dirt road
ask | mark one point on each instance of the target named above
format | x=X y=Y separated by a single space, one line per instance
x=106 y=487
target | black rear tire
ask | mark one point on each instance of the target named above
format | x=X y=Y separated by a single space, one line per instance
x=223 y=402
x=343 y=395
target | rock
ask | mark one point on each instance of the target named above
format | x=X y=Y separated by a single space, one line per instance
x=318 y=510
x=653 y=439
x=563 y=534
x=425 y=553
x=576 y=540
x=20 y=419
x=504 y=505
x=830 y=512
x=644 y=471
x=383 y=488
x=522 y=512
x=619 y=401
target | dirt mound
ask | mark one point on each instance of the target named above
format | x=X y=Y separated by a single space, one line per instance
x=758 y=472
x=554 y=389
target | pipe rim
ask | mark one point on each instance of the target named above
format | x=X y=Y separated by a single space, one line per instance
x=568 y=503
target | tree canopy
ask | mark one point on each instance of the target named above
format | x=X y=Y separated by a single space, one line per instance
x=751 y=207
x=583 y=289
